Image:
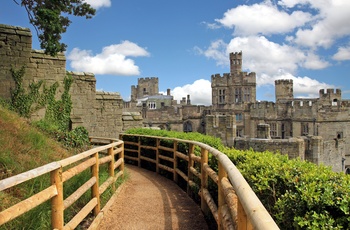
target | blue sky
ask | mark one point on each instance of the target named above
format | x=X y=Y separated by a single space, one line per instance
x=184 y=42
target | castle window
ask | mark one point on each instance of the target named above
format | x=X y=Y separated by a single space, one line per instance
x=334 y=102
x=152 y=105
x=239 y=117
x=221 y=96
x=246 y=96
x=304 y=129
x=239 y=132
x=301 y=103
x=310 y=103
x=238 y=95
x=273 y=129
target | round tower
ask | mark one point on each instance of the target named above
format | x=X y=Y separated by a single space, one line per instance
x=284 y=90
x=236 y=62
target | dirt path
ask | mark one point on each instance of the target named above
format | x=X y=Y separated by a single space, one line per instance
x=150 y=201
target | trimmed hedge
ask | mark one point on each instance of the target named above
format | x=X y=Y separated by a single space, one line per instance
x=298 y=194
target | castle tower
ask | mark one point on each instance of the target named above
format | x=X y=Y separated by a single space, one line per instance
x=284 y=90
x=235 y=62
x=145 y=87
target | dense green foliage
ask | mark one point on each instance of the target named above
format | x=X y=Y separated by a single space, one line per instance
x=298 y=194
x=50 y=18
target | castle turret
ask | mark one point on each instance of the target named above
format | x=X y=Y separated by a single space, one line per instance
x=236 y=62
x=330 y=96
x=284 y=90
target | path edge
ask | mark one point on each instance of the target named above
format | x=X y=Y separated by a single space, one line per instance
x=96 y=222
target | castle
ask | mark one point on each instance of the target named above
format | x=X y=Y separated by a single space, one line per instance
x=315 y=129
x=312 y=129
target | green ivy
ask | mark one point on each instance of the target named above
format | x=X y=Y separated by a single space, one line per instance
x=21 y=101
x=57 y=117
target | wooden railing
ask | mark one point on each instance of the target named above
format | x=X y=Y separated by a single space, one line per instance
x=237 y=206
x=62 y=171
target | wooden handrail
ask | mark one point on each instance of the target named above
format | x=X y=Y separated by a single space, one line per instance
x=62 y=171
x=238 y=206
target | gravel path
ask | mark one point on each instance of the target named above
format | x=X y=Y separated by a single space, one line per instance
x=150 y=201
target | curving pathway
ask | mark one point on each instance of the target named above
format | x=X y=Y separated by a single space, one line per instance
x=150 y=201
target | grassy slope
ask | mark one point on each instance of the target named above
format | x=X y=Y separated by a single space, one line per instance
x=23 y=147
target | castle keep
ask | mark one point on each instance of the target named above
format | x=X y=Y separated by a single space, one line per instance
x=314 y=129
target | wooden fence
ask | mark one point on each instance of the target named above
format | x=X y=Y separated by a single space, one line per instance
x=235 y=206
x=61 y=171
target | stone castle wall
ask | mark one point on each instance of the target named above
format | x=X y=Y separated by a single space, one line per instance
x=100 y=113
x=293 y=147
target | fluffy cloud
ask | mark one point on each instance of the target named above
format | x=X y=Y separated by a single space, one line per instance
x=303 y=86
x=269 y=60
x=98 y=4
x=200 y=92
x=112 y=60
x=278 y=38
x=343 y=54
x=263 y=18
x=331 y=22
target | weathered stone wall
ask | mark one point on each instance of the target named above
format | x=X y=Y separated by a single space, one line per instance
x=293 y=147
x=16 y=51
x=100 y=113
x=221 y=126
x=108 y=115
x=131 y=120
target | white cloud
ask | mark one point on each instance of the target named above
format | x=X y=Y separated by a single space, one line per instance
x=332 y=17
x=263 y=18
x=342 y=54
x=216 y=51
x=199 y=91
x=313 y=61
x=302 y=86
x=112 y=60
x=271 y=61
x=98 y=4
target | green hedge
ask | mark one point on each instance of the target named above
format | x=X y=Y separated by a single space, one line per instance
x=298 y=194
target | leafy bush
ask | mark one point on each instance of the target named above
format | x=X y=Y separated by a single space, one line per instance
x=298 y=194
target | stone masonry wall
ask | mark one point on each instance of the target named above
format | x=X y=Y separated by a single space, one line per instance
x=16 y=51
x=100 y=113
x=293 y=147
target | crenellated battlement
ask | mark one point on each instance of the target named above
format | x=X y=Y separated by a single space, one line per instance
x=284 y=89
x=283 y=81
x=147 y=79
x=263 y=105
x=330 y=93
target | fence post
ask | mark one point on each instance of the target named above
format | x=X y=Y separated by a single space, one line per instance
x=111 y=165
x=204 y=180
x=221 y=196
x=190 y=164
x=95 y=187
x=139 y=152
x=121 y=155
x=175 y=176
x=57 y=207
x=157 y=154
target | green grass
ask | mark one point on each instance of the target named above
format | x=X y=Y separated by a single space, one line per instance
x=23 y=147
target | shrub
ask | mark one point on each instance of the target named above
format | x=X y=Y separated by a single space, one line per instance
x=298 y=194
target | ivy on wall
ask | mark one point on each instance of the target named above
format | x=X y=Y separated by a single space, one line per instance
x=57 y=115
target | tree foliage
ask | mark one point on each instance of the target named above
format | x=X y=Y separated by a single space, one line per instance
x=50 y=19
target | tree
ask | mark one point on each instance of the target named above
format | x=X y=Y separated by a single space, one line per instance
x=50 y=21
